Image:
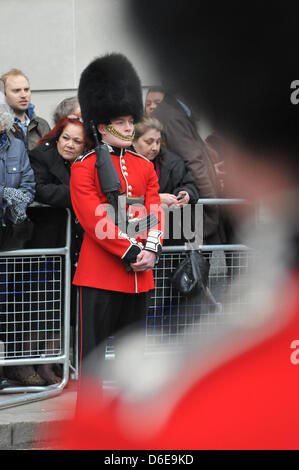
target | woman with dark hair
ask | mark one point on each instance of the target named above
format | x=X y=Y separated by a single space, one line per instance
x=154 y=96
x=51 y=162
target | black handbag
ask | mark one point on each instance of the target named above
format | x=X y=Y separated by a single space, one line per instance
x=191 y=277
x=191 y=274
x=14 y=236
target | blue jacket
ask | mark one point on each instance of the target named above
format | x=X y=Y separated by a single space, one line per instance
x=15 y=171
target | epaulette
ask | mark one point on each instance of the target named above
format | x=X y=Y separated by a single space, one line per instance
x=84 y=155
x=138 y=155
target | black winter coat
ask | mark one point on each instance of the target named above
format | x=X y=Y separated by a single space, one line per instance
x=173 y=178
x=52 y=176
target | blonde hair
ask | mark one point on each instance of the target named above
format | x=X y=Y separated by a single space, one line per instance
x=145 y=125
x=14 y=73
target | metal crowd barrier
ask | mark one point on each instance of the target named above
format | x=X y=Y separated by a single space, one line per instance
x=35 y=314
x=35 y=301
x=174 y=320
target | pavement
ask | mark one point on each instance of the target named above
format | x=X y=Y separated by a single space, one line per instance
x=24 y=426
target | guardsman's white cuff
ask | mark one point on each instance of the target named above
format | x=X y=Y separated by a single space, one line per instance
x=153 y=242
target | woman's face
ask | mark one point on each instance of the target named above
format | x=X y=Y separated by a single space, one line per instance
x=152 y=100
x=149 y=144
x=70 y=144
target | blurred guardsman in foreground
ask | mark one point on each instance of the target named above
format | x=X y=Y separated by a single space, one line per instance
x=238 y=62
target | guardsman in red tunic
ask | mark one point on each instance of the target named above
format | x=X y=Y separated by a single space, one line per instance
x=241 y=392
x=114 y=271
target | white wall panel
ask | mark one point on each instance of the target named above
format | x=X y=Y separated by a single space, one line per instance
x=103 y=26
x=53 y=40
x=37 y=36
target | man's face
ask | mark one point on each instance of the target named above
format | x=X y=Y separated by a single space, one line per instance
x=123 y=127
x=17 y=91
x=152 y=100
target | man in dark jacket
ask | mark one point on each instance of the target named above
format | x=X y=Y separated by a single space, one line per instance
x=27 y=126
x=182 y=138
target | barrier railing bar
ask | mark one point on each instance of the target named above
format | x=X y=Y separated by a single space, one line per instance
x=67 y=298
x=32 y=394
x=36 y=360
x=185 y=248
x=219 y=201
x=34 y=252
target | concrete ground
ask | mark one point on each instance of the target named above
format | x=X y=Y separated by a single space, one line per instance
x=24 y=426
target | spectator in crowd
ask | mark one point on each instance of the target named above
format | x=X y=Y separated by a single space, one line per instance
x=65 y=107
x=18 y=185
x=174 y=178
x=51 y=161
x=182 y=138
x=52 y=157
x=154 y=96
x=27 y=125
x=17 y=192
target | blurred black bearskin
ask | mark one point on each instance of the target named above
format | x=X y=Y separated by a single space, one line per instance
x=109 y=87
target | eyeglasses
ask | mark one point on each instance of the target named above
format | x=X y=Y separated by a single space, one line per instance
x=73 y=116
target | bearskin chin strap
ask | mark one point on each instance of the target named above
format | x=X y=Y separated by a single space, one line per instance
x=114 y=132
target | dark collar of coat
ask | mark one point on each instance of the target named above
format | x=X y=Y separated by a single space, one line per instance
x=56 y=164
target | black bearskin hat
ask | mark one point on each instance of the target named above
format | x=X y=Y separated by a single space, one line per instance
x=109 y=87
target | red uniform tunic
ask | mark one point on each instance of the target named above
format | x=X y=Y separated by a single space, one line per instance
x=100 y=262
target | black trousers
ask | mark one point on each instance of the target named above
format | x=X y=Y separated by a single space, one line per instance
x=103 y=314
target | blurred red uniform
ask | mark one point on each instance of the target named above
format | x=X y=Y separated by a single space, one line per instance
x=249 y=401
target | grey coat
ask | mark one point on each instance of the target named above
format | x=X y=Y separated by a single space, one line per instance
x=37 y=128
x=15 y=171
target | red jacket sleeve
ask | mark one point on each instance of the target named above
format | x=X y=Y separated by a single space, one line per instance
x=90 y=208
